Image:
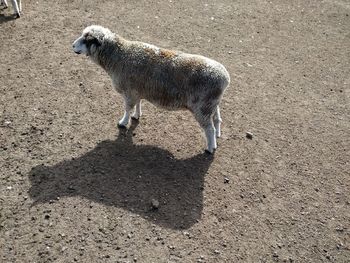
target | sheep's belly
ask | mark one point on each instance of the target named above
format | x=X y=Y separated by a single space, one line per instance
x=171 y=105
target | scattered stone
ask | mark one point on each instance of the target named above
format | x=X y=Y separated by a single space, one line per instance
x=249 y=135
x=226 y=180
x=339 y=246
x=339 y=229
x=47 y=217
x=216 y=251
x=155 y=204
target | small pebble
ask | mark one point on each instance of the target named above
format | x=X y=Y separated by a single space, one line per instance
x=155 y=204
x=249 y=135
x=226 y=180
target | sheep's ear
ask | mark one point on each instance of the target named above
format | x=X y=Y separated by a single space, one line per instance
x=92 y=40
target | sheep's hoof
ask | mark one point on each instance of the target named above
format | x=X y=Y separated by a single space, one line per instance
x=17 y=15
x=121 y=126
x=210 y=152
x=135 y=118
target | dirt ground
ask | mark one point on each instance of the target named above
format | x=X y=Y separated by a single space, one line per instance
x=74 y=188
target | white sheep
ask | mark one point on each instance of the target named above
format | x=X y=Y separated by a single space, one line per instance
x=170 y=79
x=17 y=5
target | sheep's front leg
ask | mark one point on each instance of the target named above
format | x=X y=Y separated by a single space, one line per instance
x=4 y=2
x=126 y=117
x=137 y=114
x=129 y=104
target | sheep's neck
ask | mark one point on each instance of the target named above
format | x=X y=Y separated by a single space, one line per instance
x=109 y=56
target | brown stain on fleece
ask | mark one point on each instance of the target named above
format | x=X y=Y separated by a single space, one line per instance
x=166 y=53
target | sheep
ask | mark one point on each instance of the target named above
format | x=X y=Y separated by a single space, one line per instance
x=170 y=79
x=17 y=5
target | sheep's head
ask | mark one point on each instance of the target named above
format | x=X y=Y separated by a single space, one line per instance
x=91 y=39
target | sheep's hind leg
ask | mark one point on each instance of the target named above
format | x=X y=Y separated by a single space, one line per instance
x=137 y=114
x=217 y=122
x=207 y=124
x=15 y=6
x=209 y=130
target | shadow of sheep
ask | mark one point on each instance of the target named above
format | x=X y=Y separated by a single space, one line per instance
x=119 y=173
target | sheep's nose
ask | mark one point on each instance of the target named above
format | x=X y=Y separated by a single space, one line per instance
x=73 y=46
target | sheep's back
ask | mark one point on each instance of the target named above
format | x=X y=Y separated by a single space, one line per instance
x=171 y=78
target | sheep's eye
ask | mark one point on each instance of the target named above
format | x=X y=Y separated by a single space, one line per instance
x=89 y=40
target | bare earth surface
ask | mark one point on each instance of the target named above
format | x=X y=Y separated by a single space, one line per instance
x=76 y=189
